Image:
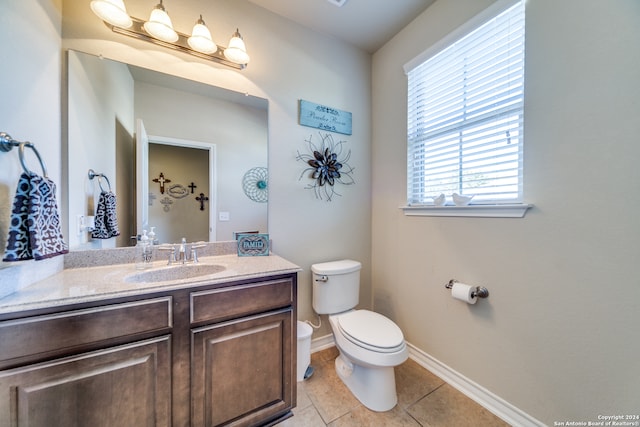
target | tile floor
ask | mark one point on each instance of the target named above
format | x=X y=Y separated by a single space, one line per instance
x=423 y=400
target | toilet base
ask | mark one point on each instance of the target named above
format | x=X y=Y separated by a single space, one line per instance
x=374 y=387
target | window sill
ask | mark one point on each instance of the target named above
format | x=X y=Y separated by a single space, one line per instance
x=516 y=210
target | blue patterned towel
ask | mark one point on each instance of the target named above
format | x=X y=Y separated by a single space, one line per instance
x=34 y=230
x=106 y=221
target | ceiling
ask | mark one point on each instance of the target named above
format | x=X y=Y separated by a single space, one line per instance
x=367 y=24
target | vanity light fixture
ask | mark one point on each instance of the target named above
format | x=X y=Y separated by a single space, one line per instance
x=236 y=52
x=112 y=11
x=159 y=30
x=200 y=39
x=159 y=25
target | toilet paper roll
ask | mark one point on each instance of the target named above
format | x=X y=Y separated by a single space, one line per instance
x=463 y=292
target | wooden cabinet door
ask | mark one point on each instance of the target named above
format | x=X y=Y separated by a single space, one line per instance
x=122 y=386
x=242 y=370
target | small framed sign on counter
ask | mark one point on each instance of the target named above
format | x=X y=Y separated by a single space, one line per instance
x=253 y=244
x=325 y=118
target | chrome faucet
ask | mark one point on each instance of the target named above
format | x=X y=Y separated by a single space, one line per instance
x=180 y=253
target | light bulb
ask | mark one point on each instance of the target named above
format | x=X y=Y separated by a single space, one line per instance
x=200 y=39
x=236 y=52
x=159 y=25
x=112 y=11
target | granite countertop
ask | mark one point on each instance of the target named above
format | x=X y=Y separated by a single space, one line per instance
x=85 y=284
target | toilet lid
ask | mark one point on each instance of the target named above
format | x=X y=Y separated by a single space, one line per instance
x=371 y=329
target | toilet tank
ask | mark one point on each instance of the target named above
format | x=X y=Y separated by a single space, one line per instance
x=336 y=286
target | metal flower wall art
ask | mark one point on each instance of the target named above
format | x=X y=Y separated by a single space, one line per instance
x=327 y=166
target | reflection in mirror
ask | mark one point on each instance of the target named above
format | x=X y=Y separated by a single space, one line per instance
x=224 y=130
x=186 y=177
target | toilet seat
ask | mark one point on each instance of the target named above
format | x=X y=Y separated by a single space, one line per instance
x=371 y=330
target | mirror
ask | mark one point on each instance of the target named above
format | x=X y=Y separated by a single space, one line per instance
x=191 y=124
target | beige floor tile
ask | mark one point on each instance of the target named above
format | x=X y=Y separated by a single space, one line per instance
x=423 y=400
x=307 y=417
x=328 y=393
x=302 y=398
x=362 y=416
x=446 y=407
x=413 y=382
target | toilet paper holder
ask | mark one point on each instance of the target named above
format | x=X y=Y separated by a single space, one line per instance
x=479 y=292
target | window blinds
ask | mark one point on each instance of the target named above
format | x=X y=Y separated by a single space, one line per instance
x=465 y=116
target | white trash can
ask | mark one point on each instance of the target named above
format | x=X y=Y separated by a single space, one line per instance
x=304 y=348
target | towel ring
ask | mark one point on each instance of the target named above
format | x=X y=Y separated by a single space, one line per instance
x=7 y=143
x=24 y=165
x=93 y=174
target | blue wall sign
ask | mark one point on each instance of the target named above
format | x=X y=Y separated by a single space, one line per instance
x=325 y=118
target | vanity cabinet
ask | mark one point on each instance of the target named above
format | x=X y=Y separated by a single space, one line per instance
x=207 y=355
x=243 y=356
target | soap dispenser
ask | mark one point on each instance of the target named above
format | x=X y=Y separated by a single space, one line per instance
x=152 y=237
x=143 y=252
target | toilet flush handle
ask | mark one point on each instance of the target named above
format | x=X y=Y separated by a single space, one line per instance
x=322 y=278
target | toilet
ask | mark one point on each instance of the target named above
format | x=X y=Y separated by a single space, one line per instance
x=370 y=344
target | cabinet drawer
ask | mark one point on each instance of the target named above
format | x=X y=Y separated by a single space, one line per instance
x=234 y=301
x=56 y=332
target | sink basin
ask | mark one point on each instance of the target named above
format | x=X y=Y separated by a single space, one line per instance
x=176 y=272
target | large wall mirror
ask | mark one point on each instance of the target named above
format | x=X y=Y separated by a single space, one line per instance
x=205 y=145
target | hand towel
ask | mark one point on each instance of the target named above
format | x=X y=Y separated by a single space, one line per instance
x=106 y=221
x=34 y=229
x=18 y=248
x=111 y=217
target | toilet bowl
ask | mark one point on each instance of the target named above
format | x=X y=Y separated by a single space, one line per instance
x=366 y=367
x=370 y=344
x=369 y=338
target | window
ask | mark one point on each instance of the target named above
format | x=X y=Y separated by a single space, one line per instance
x=465 y=114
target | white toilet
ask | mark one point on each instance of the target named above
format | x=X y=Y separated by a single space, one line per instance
x=370 y=344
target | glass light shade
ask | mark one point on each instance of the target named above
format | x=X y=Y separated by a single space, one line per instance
x=200 y=39
x=112 y=11
x=236 y=52
x=159 y=25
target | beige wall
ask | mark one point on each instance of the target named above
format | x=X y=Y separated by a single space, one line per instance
x=558 y=336
x=183 y=217
x=29 y=111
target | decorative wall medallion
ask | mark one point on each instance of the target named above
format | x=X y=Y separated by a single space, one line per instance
x=255 y=184
x=328 y=165
x=178 y=191
x=166 y=204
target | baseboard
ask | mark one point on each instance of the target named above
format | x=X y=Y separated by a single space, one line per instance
x=321 y=343
x=494 y=404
